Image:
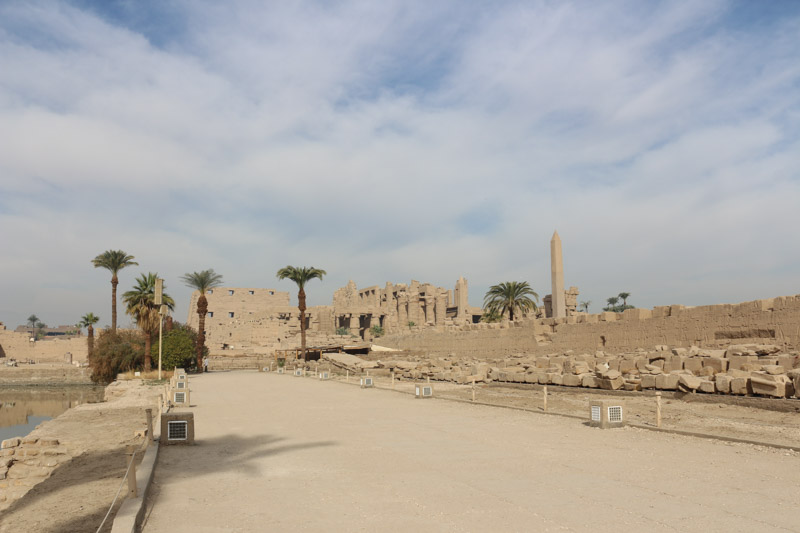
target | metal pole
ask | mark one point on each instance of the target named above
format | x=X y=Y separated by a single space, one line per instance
x=160 y=329
x=658 y=409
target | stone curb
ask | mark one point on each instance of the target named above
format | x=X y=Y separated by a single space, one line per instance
x=131 y=512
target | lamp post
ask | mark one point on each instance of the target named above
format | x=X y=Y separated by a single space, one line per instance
x=158 y=300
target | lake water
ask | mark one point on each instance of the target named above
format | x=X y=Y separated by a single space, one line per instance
x=23 y=408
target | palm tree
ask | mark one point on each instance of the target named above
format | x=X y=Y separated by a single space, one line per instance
x=40 y=327
x=612 y=303
x=509 y=296
x=140 y=304
x=301 y=275
x=88 y=321
x=32 y=320
x=624 y=296
x=586 y=305
x=113 y=260
x=202 y=281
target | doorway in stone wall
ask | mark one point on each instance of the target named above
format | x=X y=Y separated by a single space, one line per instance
x=2 y=352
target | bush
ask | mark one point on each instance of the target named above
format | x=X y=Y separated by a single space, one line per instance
x=343 y=331
x=376 y=331
x=178 y=350
x=115 y=353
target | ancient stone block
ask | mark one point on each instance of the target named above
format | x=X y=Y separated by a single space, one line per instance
x=667 y=381
x=717 y=363
x=736 y=362
x=10 y=443
x=707 y=387
x=648 y=381
x=689 y=383
x=741 y=386
x=768 y=384
x=589 y=381
x=693 y=364
x=555 y=379
x=571 y=380
x=615 y=383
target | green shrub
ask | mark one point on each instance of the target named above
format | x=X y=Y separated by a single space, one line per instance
x=115 y=353
x=178 y=350
x=376 y=331
x=343 y=331
x=411 y=324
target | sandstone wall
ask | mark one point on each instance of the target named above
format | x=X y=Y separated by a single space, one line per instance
x=16 y=345
x=772 y=321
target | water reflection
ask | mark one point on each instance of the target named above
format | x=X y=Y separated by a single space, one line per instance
x=23 y=408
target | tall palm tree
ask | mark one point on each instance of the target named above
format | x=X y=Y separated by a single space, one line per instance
x=586 y=305
x=88 y=321
x=140 y=304
x=510 y=296
x=624 y=296
x=202 y=281
x=32 y=321
x=301 y=275
x=612 y=303
x=113 y=260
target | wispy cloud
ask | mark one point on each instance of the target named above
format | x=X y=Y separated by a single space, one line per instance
x=384 y=141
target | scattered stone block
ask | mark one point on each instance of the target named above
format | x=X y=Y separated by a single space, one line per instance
x=693 y=365
x=717 y=363
x=10 y=443
x=648 y=381
x=589 y=381
x=741 y=386
x=769 y=384
x=689 y=383
x=667 y=381
x=707 y=386
x=571 y=380
x=615 y=383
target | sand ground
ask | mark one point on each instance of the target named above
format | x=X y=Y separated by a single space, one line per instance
x=276 y=452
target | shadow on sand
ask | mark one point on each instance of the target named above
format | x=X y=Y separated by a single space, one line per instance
x=57 y=498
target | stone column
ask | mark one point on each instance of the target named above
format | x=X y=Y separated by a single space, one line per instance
x=441 y=308
x=557 y=278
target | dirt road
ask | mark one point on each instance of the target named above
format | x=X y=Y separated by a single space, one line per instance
x=280 y=453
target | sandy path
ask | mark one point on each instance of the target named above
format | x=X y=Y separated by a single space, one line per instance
x=287 y=454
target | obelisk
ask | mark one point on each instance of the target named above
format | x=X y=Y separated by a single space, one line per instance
x=558 y=300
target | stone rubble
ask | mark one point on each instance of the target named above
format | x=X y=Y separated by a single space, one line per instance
x=750 y=369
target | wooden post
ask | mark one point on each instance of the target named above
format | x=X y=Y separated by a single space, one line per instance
x=544 y=398
x=473 y=390
x=428 y=378
x=348 y=376
x=658 y=409
x=392 y=379
x=130 y=451
x=149 y=424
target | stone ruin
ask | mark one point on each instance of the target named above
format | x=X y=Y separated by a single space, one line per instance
x=753 y=369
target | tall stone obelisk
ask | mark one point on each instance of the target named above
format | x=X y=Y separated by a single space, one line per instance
x=558 y=300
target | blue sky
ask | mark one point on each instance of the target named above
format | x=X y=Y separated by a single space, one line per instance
x=390 y=141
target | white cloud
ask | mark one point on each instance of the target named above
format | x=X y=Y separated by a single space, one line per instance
x=385 y=141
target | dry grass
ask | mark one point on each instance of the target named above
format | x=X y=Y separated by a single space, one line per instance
x=149 y=376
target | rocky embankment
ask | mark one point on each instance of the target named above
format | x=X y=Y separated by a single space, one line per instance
x=70 y=458
x=752 y=369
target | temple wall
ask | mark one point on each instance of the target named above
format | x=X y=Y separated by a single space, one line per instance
x=773 y=321
x=17 y=345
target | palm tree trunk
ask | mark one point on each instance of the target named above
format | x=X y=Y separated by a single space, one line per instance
x=511 y=313
x=301 y=299
x=90 y=340
x=114 y=283
x=148 y=343
x=202 y=309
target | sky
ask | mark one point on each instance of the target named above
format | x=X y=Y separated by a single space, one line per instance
x=399 y=140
